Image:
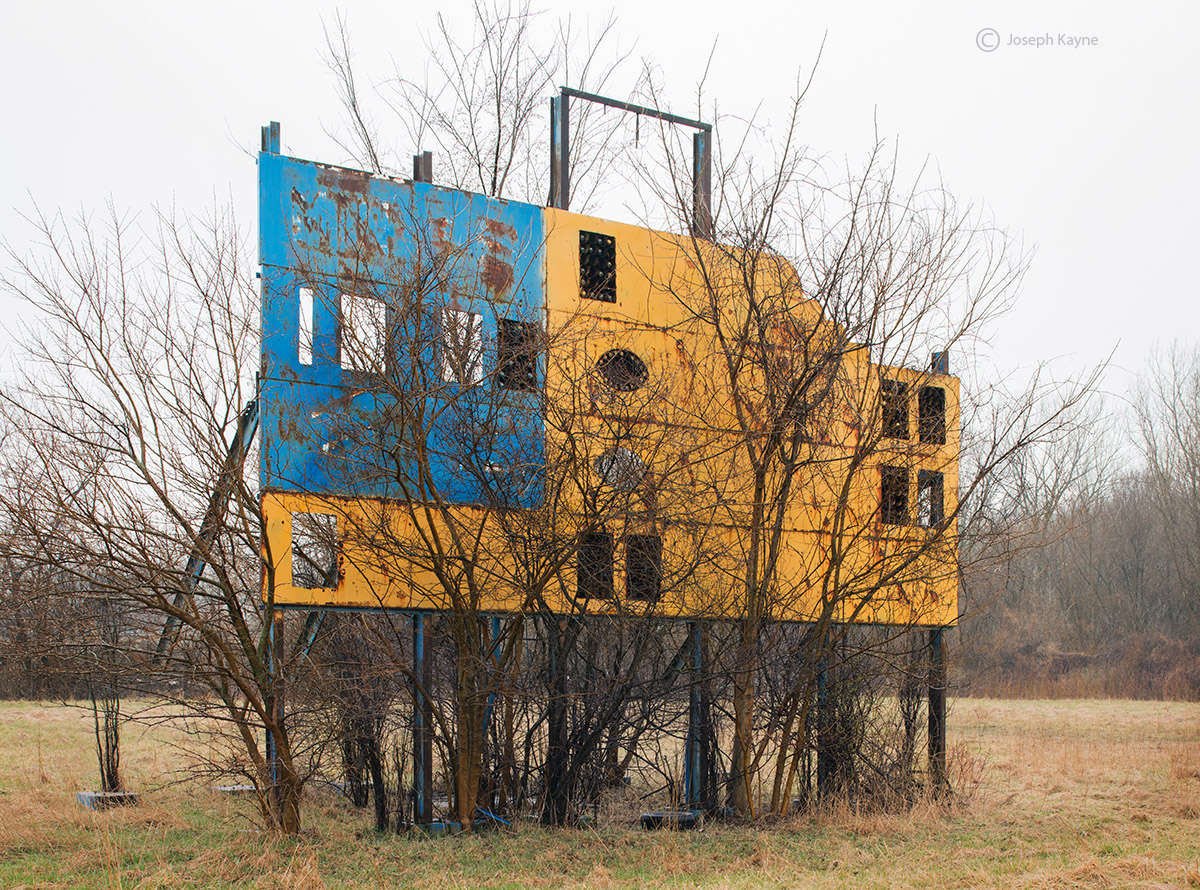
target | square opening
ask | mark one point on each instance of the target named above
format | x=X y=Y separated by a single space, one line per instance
x=314 y=551
x=362 y=334
x=893 y=495
x=517 y=350
x=894 y=397
x=931 y=415
x=643 y=567
x=461 y=346
x=931 y=498
x=595 y=566
x=598 y=267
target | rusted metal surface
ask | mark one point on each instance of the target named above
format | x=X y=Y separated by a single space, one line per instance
x=414 y=248
x=341 y=437
x=560 y=153
x=702 y=221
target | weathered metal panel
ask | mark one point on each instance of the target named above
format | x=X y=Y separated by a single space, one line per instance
x=360 y=443
x=416 y=249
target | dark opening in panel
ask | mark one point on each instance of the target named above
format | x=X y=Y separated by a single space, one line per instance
x=314 y=551
x=931 y=414
x=517 y=349
x=622 y=370
x=893 y=495
x=643 y=567
x=931 y=498
x=894 y=395
x=598 y=266
x=595 y=566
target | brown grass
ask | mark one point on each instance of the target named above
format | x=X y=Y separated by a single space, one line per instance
x=1091 y=794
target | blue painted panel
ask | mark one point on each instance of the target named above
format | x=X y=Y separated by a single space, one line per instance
x=415 y=249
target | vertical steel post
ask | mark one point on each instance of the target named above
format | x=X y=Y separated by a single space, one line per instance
x=693 y=756
x=423 y=167
x=275 y=675
x=937 y=709
x=422 y=730
x=560 y=152
x=270 y=138
x=702 y=184
x=272 y=673
x=826 y=765
x=493 y=657
x=554 y=811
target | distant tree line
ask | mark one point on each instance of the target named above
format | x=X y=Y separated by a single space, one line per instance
x=1097 y=588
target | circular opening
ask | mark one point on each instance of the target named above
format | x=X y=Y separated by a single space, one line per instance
x=622 y=370
x=620 y=468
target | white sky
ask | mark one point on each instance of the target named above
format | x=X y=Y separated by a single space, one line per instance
x=1085 y=153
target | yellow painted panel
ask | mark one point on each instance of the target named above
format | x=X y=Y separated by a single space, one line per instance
x=835 y=555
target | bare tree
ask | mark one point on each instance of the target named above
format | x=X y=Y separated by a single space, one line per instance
x=480 y=101
x=129 y=429
x=1168 y=433
x=824 y=297
x=820 y=290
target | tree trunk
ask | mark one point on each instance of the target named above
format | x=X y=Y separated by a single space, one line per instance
x=379 y=791
x=743 y=737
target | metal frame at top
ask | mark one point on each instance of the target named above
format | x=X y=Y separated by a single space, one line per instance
x=560 y=153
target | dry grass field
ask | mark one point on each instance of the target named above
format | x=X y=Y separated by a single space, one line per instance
x=1063 y=794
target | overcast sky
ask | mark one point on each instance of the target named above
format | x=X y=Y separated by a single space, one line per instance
x=1085 y=152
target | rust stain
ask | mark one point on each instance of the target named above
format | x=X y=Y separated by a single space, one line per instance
x=338 y=179
x=687 y=367
x=437 y=231
x=499 y=248
x=497 y=275
x=501 y=229
x=298 y=200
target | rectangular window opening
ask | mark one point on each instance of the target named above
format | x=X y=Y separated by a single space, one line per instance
x=894 y=396
x=314 y=551
x=517 y=350
x=931 y=414
x=362 y=334
x=461 y=346
x=931 y=504
x=893 y=495
x=595 y=566
x=598 y=267
x=643 y=567
x=304 y=340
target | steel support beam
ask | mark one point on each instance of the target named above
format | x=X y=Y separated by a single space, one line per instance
x=693 y=753
x=270 y=138
x=275 y=704
x=494 y=658
x=214 y=518
x=825 y=759
x=554 y=810
x=423 y=167
x=937 y=709
x=422 y=674
x=560 y=152
x=702 y=221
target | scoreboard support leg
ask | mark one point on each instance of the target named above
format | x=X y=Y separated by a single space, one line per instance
x=422 y=674
x=937 y=710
